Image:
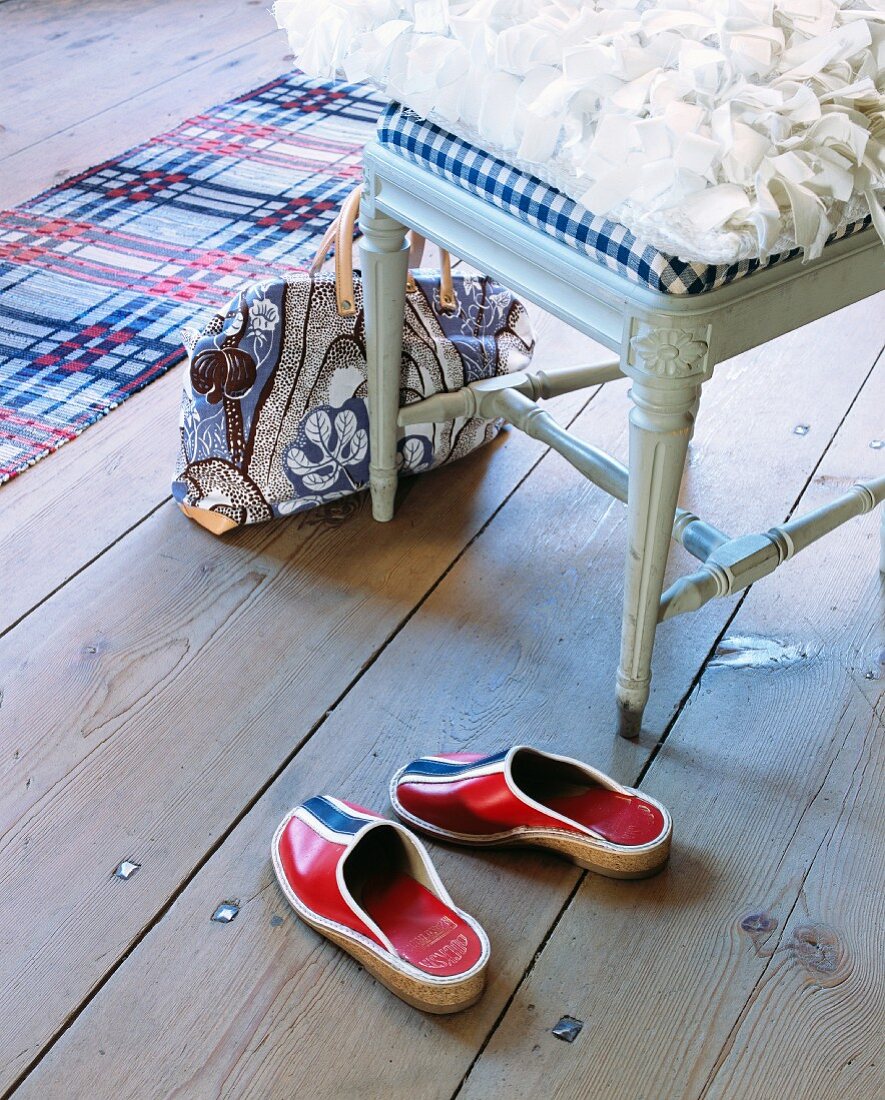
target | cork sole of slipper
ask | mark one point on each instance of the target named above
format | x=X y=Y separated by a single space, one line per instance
x=436 y=999
x=439 y=998
x=601 y=861
x=609 y=860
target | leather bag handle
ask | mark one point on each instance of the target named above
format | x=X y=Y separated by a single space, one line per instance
x=341 y=232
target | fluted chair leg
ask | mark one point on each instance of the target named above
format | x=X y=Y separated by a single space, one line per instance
x=660 y=426
x=384 y=254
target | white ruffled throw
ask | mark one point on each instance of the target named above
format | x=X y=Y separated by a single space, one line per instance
x=715 y=130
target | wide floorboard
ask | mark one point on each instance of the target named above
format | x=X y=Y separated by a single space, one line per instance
x=165 y=697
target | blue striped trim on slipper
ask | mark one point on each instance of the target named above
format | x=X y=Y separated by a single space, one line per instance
x=454 y=768
x=333 y=817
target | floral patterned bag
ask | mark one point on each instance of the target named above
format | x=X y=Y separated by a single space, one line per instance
x=273 y=413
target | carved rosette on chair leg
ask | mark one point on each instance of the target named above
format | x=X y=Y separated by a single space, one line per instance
x=667 y=366
x=384 y=253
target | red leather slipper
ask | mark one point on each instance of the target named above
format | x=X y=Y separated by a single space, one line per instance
x=524 y=796
x=369 y=886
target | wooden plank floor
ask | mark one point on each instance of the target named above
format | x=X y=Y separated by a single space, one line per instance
x=166 y=697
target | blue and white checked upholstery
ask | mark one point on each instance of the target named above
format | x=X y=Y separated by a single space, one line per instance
x=540 y=205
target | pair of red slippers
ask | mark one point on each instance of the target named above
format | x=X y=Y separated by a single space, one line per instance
x=369 y=885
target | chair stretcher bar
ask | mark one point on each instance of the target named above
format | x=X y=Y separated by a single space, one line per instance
x=510 y=398
x=740 y=562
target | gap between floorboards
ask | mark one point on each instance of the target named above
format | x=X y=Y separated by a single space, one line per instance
x=253 y=801
x=651 y=757
x=211 y=60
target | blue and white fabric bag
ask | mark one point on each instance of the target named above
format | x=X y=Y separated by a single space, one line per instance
x=273 y=413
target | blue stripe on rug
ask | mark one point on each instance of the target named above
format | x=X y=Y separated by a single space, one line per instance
x=99 y=274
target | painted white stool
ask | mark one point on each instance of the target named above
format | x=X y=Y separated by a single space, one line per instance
x=667 y=344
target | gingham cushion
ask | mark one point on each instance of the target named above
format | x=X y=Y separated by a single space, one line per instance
x=532 y=201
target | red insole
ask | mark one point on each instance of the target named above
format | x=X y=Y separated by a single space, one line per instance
x=423 y=930
x=619 y=818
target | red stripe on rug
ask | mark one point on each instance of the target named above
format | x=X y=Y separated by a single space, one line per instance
x=98 y=270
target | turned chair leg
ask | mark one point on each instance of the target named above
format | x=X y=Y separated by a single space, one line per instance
x=696 y=404
x=882 y=543
x=660 y=426
x=384 y=253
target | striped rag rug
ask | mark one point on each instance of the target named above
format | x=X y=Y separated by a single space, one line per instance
x=99 y=275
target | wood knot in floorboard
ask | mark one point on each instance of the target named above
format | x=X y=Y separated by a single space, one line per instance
x=758 y=926
x=819 y=950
